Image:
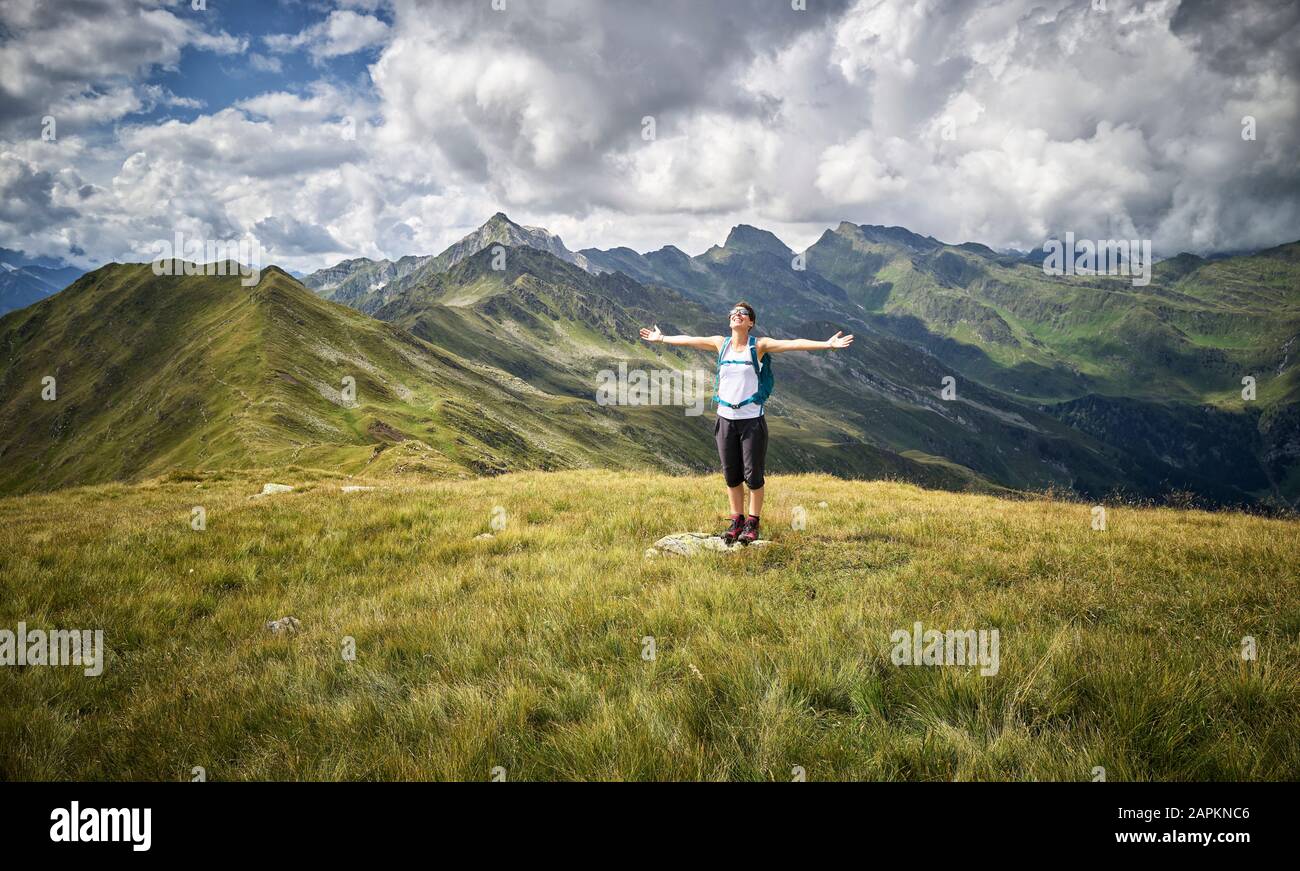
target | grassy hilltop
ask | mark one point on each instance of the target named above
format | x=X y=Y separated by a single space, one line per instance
x=158 y=373
x=1119 y=648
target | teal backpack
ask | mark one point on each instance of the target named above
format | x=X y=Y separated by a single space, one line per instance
x=765 y=378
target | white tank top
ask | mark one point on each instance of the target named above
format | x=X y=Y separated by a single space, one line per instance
x=737 y=381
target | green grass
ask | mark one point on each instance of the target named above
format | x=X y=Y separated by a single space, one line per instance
x=1118 y=648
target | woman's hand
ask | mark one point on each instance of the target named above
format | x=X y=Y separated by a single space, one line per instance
x=652 y=335
x=835 y=342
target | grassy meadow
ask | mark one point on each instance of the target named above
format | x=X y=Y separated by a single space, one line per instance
x=1119 y=648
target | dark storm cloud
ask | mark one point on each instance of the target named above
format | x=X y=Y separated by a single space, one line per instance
x=1242 y=37
x=289 y=236
x=27 y=198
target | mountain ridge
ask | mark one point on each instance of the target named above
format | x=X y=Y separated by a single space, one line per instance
x=1044 y=343
x=1080 y=383
x=158 y=374
x=367 y=284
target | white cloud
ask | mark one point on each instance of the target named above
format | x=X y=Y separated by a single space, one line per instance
x=862 y=170
x=265 y=63
x=322 y=101
x=78 y=111
x=709 y=163
x=343 y=32
x=1064 y=119
x=56 y=54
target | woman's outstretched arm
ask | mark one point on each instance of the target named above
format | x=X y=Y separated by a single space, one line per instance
x=703 y=343
x=777 y=346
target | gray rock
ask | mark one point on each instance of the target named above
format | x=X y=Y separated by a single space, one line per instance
x=483 y=535
x=283 y=626
x=356 y=488
x=268 y=489
x=696 y=543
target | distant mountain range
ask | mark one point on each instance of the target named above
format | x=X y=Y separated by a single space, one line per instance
x=366 y=284
x=25 y=280
x=480 y=360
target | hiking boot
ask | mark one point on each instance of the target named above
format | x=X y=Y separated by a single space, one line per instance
x=737 y=524
x=749 y=532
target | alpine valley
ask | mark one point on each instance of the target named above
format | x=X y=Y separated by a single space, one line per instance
x=486 y=357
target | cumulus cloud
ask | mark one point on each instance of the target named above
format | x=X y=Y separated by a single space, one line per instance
x=343 y=32
x=998 y=121
x=265 y=63
x=230 y=144
x=1067 y=117
x=68 y=53
x=551 y=100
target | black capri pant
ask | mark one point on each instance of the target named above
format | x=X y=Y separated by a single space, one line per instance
x=742 y=447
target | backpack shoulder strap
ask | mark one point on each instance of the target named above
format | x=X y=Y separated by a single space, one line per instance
x=753 y=355
x=717 y=376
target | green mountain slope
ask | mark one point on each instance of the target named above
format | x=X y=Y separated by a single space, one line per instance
x=154 y=374
x=556 y=327
x=860 y=412
x=1148 y=380
x=1154 y=371
x=488 y=358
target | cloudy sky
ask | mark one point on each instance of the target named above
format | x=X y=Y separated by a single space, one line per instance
x=386 y=127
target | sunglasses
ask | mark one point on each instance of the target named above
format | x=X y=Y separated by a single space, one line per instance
x=738 y=311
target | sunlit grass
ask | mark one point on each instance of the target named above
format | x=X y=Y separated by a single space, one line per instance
x=1119 y=649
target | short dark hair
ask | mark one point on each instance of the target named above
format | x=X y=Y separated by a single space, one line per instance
x=749 y=309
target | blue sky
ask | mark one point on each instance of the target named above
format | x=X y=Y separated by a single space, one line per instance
x=341 y=128
x=219 y=81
